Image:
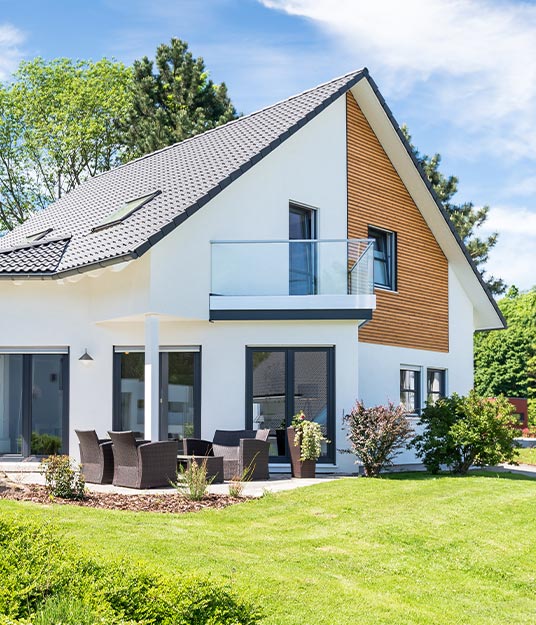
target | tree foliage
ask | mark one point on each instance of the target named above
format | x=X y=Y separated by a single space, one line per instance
x=505 y=360
x=466 y=218
x=376 y=435
x=58 y=126
x=460 y=432
x=173 y=99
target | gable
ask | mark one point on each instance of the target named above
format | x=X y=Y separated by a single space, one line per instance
x=416 y=314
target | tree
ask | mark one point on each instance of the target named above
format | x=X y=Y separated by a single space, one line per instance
x=505 y=360
x=58 y=126
x=173 y=103
x=465 y=217
x=460 y=432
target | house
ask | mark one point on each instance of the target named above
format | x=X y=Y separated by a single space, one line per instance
x=293 y=259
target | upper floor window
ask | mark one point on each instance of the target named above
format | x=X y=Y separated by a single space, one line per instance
x=435 y=385
x=302 y=251
x=384 y=258
x=410 y=389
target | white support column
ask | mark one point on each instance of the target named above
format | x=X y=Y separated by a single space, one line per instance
x=152 y=377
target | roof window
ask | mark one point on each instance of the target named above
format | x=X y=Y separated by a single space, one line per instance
x=127 y=209
x=37 y=236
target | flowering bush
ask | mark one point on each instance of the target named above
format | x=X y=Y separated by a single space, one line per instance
x=376 y=435
x=529 y=432
x=309 y=437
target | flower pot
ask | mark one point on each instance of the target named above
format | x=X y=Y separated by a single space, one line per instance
x=305 y=468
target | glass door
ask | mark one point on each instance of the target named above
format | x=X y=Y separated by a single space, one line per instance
x=302 y=253
x=11 y=418
x=47 y=404
x=282 y=381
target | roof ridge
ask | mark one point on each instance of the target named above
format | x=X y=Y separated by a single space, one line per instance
x=348 y=75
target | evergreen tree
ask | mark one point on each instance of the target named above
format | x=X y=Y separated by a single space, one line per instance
x=465 y=217
x=172 y=102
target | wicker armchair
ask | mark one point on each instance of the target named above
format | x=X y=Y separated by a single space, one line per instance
x=96 y=457
x=141 y=464
x=240 y=449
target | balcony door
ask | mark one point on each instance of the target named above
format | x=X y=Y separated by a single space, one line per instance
x=302 y=253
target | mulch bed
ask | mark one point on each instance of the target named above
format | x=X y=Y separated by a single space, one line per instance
x=171 y=503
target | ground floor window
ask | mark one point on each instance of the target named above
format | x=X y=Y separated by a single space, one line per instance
x=180 y=392
x=282 y=381
x=34 y=403
x=410 y=388
x=435 y=385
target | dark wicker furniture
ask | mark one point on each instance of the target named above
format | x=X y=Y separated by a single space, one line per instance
x=140 y=464
x=240 y=449
x=96 y=457
x=214 y=465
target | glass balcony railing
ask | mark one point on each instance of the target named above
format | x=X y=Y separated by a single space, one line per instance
x=296 y=267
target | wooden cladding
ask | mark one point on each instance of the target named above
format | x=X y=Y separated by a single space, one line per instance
x=416 y=315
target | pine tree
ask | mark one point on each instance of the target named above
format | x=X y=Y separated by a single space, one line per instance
x=173 y=99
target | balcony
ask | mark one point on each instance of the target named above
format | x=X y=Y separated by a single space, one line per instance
x=296 y=279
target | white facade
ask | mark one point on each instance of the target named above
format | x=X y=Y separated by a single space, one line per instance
x=163 y=298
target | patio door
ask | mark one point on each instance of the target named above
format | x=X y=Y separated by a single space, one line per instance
x=282 y=381
x=33 y=404
x=180 y=391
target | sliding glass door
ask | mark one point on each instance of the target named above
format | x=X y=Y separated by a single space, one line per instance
x=33 y=404
x=282 y=381
x=180 y=392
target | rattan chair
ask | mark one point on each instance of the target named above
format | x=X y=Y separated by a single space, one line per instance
x=241 y=450
x=96 y=457
x=141 y=464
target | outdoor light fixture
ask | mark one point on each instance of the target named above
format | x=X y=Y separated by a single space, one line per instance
x=85 y=358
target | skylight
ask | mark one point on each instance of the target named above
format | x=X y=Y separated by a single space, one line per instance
x=37 y=236
x=125 y=211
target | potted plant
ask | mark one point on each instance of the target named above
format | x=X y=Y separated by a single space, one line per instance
x=304 y=441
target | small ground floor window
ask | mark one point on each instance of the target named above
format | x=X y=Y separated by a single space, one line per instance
x=34 y=417
x=410 y=389
x=435 y=384
x=282 y=381
x=180 y=392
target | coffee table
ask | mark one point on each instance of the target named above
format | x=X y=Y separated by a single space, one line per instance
x=214 y=465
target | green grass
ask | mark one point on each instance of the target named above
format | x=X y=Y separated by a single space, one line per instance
x=407 y=550
x=527 y=455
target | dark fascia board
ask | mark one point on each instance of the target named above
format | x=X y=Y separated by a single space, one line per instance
x=437 y=201
x=292 y=314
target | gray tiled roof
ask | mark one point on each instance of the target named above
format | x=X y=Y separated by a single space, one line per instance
x=37 y=258
x=188 y=174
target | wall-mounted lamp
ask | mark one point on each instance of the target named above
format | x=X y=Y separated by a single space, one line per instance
x=85 y=358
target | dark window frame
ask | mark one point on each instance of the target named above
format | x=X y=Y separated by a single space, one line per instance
x=313 y=252
x=163 y=392
x=417 y=400
x=329 y=458
x=391 y=250
x=443 y=383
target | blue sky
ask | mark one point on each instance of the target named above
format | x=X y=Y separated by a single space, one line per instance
x=460 y=73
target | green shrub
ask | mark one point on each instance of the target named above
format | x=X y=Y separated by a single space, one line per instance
x=61 y=479
x=376 y=435
x=45 y=582
x=460 y=432
x=193 y=481
x=45 y=444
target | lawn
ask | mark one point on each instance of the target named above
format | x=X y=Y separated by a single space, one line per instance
x=410 y=549
x=527 y=455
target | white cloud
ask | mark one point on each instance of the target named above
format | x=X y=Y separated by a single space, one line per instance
x=509 y=259
x=474 y=59
x=10 y=40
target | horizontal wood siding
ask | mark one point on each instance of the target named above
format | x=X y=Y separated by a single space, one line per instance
x=417 y=314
